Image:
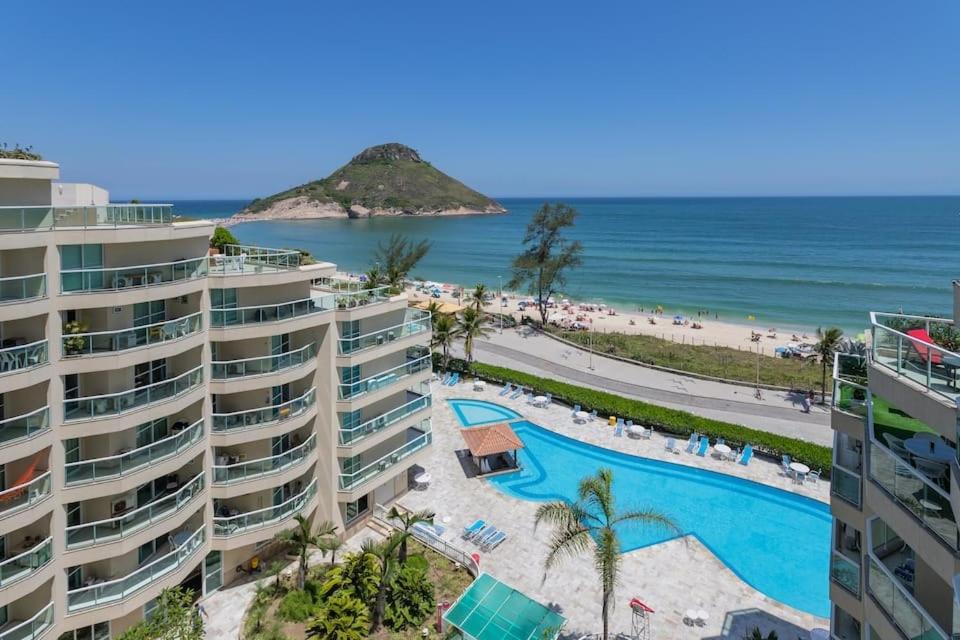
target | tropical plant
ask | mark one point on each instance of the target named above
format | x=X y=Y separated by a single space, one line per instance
x=444 y=334
x=221 y=237
x=342 y=617
x=433 y=308
x=383 y=554
x=827 y=342
x=296 y=606
x=359 y=574
x=756 y=634
x=591 y=523
x=331 y=544
x=478 y=296
x=407 y=520
x=173 y=617
x=471 y=325
x=74 y=343
x=302 y=538
x=411 y=599
x=547 y=255
x=397 y=257
x=374 y=278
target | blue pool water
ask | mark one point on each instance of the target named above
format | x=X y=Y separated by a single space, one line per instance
x=776 y=541
x=474 y=412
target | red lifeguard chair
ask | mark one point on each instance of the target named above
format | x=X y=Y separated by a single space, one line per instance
x=640 y=626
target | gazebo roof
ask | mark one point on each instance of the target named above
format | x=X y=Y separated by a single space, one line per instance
x=491 y=439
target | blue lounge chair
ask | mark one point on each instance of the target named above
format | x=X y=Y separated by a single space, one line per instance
x=704 y=445
x=454 y=379
x=446 y=378
x=507 y=388
x=516 y=394
x=494 y=540
x=692 y=443
x=618 y=432
x=747 y=454
x=472 y=529
x=486 y=536
x=482 y=532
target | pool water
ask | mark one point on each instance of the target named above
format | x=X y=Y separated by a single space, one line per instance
x=777 y=542
x=474 y=412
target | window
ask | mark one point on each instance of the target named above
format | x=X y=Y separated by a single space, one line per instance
x=279 y=344
x=77 y=258
x=223 y=298
x=145 y=313
x=74 y=515
x=350 y=419
x=74 y=578
x=279 y=394
x=71 y=386
x=213 y=571
x=349 y=329
x=99 y=631
x=71 y=450
x=147 y=373
x=150 y=432
x=357 y=508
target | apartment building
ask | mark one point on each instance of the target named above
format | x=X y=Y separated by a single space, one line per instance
x=895 y=486
x=165 y=413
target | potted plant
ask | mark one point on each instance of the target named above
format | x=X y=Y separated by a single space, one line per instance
x=73 y=342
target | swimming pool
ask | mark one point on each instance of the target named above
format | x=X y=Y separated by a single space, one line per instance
x=473 y=412
x=777 y=542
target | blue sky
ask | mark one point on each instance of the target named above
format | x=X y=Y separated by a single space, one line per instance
x=192 y=99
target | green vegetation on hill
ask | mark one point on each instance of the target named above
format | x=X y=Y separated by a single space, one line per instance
x=387 y=176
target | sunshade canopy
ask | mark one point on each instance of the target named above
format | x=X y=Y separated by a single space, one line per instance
x=492 y=610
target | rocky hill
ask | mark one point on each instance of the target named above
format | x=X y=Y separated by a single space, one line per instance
x=388 y=179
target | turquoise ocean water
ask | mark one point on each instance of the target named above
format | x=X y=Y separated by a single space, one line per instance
x=794 y=262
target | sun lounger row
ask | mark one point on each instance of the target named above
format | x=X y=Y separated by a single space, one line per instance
x=486 y=536
x=450 y=379
x=700 y=445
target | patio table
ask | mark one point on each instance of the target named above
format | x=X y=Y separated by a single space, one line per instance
x=930 y=449
x=581 y=416
x=800 y=470
x=722 y=449
x=540 y=401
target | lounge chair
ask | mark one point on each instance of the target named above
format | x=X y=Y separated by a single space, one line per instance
x=704 y=445
x=516 y=394
x=507 y=388
x=482 y=532
x=747 y=454
x=921 y=342
x=446 y=378
x=618 y=432
x=473 y=528
x=528 y=397
x=494 y=541
x=672 y=446
x=692 y=443
x=785 y=465
x=486 y=536
x=454 y=379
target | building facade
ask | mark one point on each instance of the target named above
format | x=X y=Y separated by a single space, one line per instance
x=165 y=413
x=895 y=549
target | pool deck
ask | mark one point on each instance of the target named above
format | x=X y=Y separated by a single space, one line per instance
x=670 y=577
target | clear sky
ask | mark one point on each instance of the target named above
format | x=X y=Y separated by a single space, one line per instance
x=734 y=97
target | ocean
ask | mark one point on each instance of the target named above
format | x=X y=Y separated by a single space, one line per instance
x=792 y=262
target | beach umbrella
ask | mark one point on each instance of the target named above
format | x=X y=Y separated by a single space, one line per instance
x=680 y=318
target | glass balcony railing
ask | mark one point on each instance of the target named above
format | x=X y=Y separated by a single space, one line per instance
x=113 y=404
x=248 y=470
x=103 y=593
x=849 y=397
x=845 y=484
x=351 y=294
x=912 y=619
x=24 y=356
x=355 y=434
x=25 y=495
x=384 y=379
x=845 y=572
x=234 y=525
x=20 y=566
x=233 y=369
x=122 y=464
x=136 y=276
x=905 y=345
x=264 y=416
x=41 y=218
x=134 y=520
x=19 y=288
x=351 y=481
x=419 y=324
x=31 y=629
x=242 y=259
x=76 y=344
x=246 y=316
x=25 y=426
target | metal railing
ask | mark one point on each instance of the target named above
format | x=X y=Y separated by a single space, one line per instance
x=25 y=426
x=899 y=604
x=108 y=467
x=925 y=363
x=243 y=316
x=224 y=527
x=232 y=369
x=419 y=324
x=241 y=471
x=132 y=277
x=26 y=494
x=24 y=356
x=845 y=572
x=17 y=288
x=76 y=344
x=263 y=416
x=352 y=294
x=121 y=526
x=383 y=379
x=438 y=544
x=21 y=565
x=351 y=481
x=44 y=218
x=112 y=404
x=353 y=435
x=32 y=629
x=117 y=590
x=243 y=259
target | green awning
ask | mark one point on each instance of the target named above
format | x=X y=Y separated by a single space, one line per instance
x=491 y=610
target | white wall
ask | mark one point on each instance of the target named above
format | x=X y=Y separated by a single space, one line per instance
x=69 y=194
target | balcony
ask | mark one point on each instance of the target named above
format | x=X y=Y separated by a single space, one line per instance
x=388 y=378
x=240 y=523
x=418 y=322
x=226 y=474
x=251 y=367
x=22 y=357
x=32 y=629
x=20 y=566
x=115 y=404
x=120 y=589
x=242 y=259
x=899 y=604
x=111 y=467
x=82 y=344
x=846 y=474
x=257 y=315
x=352 y=481
x=905 y=345
x=129 y=523
x=354 y=435
x=22 y=288
x=264 y=416
x=44 y=218
x=25 y=495
x=845 y=571
x=24 y=427
x=351 y=294
x=133 y=277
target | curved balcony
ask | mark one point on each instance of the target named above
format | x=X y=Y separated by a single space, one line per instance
x=32 y=629
x=243 y=259
x=354 y=435
x=262 y=314
x=20 y=566
x=113 y=529
x=903 y=344
x=23 y=288
x=25 y=495
x=263 y=416
x=252 y=367
x=27 y=356
x=111 y=467
x=351 y=294
x=390 y=377
x=120 y=589
x=352 y=481
x=899 y=604
x=227 y=474
x=25 y=426
x=419 y=324
x=98 y=342
x=42 y=218
x=115 y=404
x=225 y=527
x=133 y=277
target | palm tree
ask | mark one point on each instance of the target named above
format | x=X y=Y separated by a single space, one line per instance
x=444 y=333
x=471 y=324
x=374 y=278
x=477 y=296
x=332 y=544
x=383 y=553
x=592 y=521
x=433 y=308
x=408 y=519
x=829 y=341
x=302 y=537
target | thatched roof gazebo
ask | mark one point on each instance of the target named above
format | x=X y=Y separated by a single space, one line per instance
x=493 y=447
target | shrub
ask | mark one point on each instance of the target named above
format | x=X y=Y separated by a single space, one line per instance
x=222 y=236
x=358 y=575
x=296 y=606
x=410 y=599
x=342 y=617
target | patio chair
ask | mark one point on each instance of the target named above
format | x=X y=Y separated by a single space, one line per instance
x=936 y=471
x=549 y=400
x=921 y=343
x=618 y=432
x=747 y=454
x=731 y=455
x=704 y=445
x=495 y=541
x=672 y=446
x=576 y=409
x=593 y=415
x=454 y=379
x=692 y=442
x=473 y=529
x=785 y=465
x=814 y=476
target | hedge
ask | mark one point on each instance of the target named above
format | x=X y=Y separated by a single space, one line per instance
x=672 y=421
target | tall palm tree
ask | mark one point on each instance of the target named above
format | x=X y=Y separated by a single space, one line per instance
x=383 y=554
x=302 y=537
x=408 y=519
x=477 y=296
x=591 y=524
x=433 y=308
x=471 y=324
x=444 y=334
x=827 y=344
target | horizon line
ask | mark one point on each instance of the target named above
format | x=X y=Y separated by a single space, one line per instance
x=615 y=197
